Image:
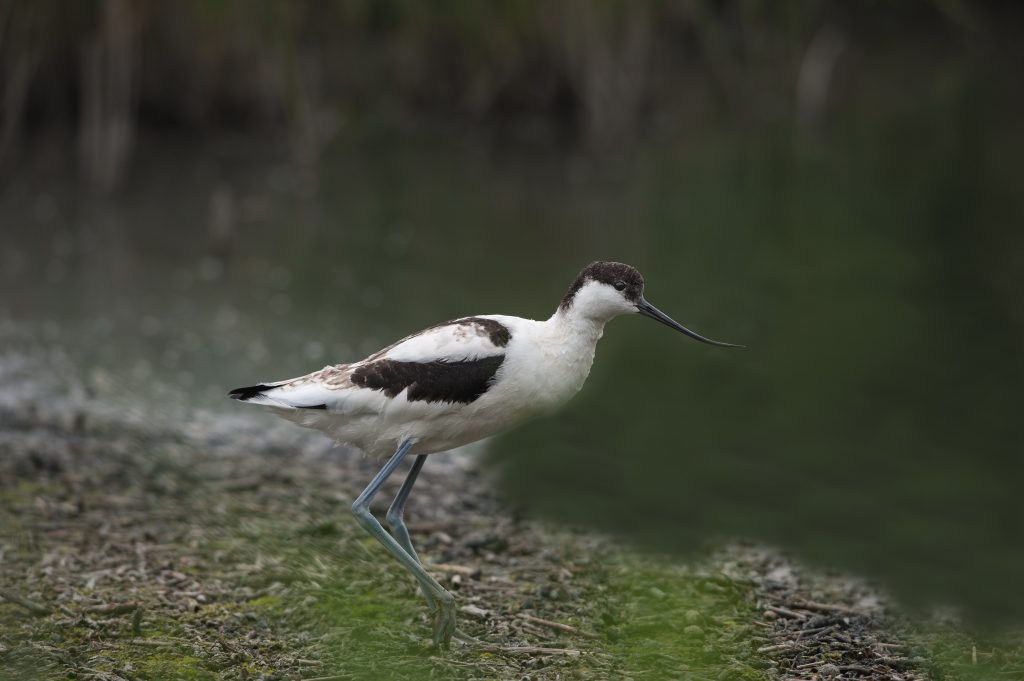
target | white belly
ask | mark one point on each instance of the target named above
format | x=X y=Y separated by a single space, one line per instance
x=436 y=426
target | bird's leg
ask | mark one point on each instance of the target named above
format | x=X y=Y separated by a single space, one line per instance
x=396 y=521
x=395 y=516
x=443 y=602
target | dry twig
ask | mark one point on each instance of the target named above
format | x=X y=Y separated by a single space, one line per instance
x=112 y=608
x=568 y=628
x=17 y=599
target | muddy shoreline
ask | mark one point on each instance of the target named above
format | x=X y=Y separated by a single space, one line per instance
x=213 y=551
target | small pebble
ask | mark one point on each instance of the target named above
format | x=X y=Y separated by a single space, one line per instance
x=828 y=671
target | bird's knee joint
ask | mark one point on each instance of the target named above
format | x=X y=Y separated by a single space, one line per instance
x=394 y=517
x=360 y=510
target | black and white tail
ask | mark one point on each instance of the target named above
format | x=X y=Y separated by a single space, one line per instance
x=250 y=393
x=291 y=394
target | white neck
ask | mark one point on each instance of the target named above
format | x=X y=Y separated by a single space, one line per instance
x=583 y=329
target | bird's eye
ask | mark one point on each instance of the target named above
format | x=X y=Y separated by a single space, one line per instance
x=620 y=285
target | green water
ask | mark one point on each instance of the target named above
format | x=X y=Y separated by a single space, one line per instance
x=875 y=275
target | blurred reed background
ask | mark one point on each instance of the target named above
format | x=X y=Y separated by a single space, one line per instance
x=95 y=76
x=198 y=193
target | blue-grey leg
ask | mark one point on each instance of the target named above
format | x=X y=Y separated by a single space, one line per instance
x=442 y=602
x=395 y=516
x=396 y=521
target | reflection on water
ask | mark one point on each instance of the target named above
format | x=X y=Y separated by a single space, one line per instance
x=876 y=282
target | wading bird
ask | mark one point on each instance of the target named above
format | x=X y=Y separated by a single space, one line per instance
x=453 y=384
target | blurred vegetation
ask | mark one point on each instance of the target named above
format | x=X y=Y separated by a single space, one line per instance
x=101 y=72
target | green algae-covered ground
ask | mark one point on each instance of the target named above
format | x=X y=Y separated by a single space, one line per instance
x=240 y=586
x=188 y=555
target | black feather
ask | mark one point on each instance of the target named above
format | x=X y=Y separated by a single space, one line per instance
x=438 y=381
x=246 y=394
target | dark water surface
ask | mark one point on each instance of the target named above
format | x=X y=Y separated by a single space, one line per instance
x=876 y=277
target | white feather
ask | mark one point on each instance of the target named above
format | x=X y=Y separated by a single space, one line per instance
x=448 y=343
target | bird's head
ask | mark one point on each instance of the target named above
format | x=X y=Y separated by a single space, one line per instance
x=604 y=290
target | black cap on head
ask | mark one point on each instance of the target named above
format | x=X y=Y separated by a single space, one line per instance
x=611 y=273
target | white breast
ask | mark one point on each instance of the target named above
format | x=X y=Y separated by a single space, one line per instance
x=546 y=364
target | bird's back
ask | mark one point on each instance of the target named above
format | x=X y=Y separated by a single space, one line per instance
x=423 y=386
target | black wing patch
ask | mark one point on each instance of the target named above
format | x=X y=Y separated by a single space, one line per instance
x=246 y=394
x=437 y=381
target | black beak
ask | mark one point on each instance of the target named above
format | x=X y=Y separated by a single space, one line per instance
x=648 y=310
